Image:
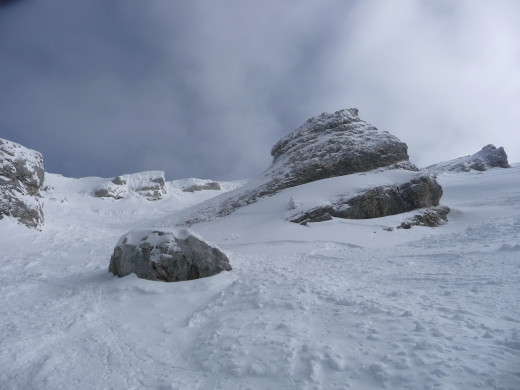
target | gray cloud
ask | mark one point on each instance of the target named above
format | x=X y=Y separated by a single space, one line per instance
x=443 y=76
x=205 y=89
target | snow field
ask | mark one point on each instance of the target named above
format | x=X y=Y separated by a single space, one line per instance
x=336 y=305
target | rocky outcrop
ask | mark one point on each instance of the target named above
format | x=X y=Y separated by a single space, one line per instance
x=487 y=158
x=21 y=178
x=431 y=217
x=331 y=145
x=210 y=186
x=166 y=255
x=421 y=192
x=148 y=185
x=325 y=146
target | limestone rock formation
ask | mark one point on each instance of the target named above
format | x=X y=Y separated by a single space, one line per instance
x=166 y=255
x=149 y=185
x=331 y=145
x=487 y=158
x=431 y=217
x=325 y=146
x=213 y=186
x=21 y=178
x=420 y=192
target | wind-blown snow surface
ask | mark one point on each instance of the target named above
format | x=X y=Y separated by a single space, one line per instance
x=342 y=304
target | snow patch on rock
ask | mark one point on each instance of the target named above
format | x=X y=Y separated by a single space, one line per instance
x=148 y=185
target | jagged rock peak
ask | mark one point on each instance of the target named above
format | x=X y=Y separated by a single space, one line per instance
x=316 y=124
x=338 y=144
x=21 y=178
x=488 y=157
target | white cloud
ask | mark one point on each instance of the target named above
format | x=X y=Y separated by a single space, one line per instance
x=445 y=80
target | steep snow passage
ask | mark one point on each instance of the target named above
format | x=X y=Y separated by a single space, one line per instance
x=342 y=304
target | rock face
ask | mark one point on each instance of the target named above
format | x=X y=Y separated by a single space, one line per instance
x=149 y=185
x=421 y=192
x=331 y=145
x=21 y=178
x=213 y=186
x=487 y=158
x=431 y=217
x=166 y=255
x=325 y=146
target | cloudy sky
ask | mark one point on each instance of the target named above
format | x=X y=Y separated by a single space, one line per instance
x=205 y=88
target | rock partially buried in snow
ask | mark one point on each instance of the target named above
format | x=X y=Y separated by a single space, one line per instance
x=167 y=255
x=420 y=192
x=21 y=178
x=431 y=217
x=210 y=186
x=148 y=185
x=487 y=158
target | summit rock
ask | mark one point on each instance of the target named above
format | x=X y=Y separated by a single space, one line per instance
x=325 y=146
x=330 y=145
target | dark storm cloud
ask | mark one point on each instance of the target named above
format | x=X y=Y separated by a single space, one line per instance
x=205 y=89
x=194 y=88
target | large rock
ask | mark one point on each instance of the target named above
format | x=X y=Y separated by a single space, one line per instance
x=166 y=255
x=331 y=145
x=148 y=185
x=325 y=146
x=487 y=158
x=21 y=178
x=420 y=192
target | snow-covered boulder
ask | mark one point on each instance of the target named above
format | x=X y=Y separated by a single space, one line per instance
x=148 y=185
x=431 y=217
x=21 y=178
x=420 y=192
x=487 y=158
x=167 y=255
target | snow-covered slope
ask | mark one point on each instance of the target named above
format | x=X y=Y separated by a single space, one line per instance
x=304 y=197
x=342 y=304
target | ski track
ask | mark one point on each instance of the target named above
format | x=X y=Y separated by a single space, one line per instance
x=437 y=311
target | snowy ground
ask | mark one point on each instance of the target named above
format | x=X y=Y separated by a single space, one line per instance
x=336 y=305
